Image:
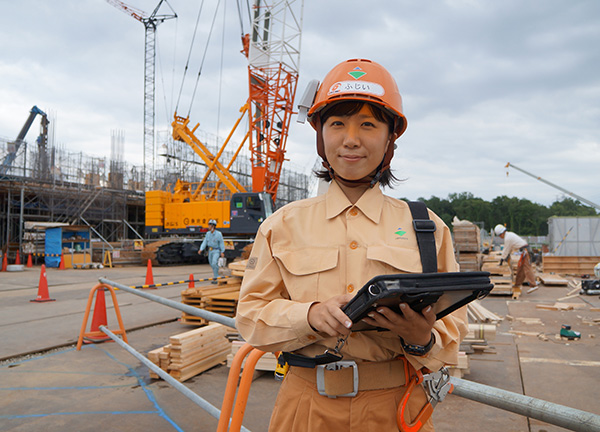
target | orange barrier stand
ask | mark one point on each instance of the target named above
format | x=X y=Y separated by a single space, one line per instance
x=99 y=333
x=242 y=395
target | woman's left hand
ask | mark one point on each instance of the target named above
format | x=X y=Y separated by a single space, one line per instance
x=413 y=327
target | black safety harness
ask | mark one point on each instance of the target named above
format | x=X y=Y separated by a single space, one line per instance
x=424 y=228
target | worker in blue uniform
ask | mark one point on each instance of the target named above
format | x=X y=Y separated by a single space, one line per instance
x=213 y=242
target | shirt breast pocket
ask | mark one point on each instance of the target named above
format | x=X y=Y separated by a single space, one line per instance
x=389 y=260
x=310 y=274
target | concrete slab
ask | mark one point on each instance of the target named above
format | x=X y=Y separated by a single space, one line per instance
x=103 y=386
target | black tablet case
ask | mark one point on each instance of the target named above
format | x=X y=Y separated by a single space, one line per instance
x=446 y=292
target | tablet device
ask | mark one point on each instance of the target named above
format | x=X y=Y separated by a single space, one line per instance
x=446 y=292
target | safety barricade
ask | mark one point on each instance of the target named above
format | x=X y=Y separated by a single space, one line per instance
x=558 y=415
x=178 y=282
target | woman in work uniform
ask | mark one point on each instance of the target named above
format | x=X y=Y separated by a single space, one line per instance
x=311 y=256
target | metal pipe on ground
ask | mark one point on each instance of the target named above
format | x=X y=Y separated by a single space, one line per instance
x=558 y=415
x=211 y=316
x=548 y=412
x=198 y=400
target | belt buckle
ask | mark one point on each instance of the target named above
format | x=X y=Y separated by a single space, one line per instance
x=342 y=364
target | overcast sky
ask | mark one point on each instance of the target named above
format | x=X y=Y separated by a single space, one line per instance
x=483 y=82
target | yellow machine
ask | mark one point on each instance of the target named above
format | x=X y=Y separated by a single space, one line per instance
x=185 y=210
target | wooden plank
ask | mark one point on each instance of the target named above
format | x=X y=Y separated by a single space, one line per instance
x=569 y=264
x=197 y=368
x=552 y=279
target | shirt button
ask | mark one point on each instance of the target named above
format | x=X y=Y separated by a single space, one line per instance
x=353 y=212
x=353 y=245
x=350 y=288
x=311 y=337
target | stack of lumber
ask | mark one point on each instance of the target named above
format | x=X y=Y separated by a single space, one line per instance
x=191 y=353
x=462 y=368
x=500 y=275
x=482 y=329
x=238 y=267
x=571 y=265
x=221 y=298
x=479 y=315
x=552 y=279
x=467 y=244
x=268 y=362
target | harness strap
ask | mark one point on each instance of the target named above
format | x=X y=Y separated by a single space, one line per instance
x=425 y=229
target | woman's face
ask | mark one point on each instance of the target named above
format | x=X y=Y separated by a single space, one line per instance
x=355 y=144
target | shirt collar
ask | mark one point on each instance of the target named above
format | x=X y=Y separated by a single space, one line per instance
x=370 y=203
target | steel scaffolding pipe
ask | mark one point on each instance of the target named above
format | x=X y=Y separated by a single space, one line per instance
x=548 y=412
x=198 y=400
x=210 y=316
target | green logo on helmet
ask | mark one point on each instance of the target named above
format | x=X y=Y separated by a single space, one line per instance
x=357 y=73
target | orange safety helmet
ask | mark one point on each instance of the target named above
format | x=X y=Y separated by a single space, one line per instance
x=361 y=80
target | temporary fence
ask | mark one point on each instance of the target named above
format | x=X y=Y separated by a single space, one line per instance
x=548 y=412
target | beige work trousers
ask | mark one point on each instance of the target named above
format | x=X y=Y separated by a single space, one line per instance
x=525 y=270
x=300 y=408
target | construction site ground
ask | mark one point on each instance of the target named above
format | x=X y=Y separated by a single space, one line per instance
x=46 y=384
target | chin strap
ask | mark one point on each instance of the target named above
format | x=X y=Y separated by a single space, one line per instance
x=371 y=179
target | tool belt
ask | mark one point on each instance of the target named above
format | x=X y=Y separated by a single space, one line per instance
x=347 y=377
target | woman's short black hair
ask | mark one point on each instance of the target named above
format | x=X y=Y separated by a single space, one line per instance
x=349 y=108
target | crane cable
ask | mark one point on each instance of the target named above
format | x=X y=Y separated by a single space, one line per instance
x=187 y=63
x=204 y=56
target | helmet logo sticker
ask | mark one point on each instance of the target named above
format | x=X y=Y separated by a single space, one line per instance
x=363 y=87
x=357 y=73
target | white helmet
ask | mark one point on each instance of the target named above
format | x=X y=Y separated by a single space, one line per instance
x=212 y=222
x=499 y=229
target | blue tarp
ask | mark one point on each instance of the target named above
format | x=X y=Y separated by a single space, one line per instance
x=53 y=246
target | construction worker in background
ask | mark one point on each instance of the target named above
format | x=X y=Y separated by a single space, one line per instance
x=213 y=242
x=311 y=256
x=514 y=243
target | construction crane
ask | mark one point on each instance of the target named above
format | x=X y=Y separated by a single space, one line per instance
x=577 y=197
x=16 y=144
x=150 y=24
x=273 y=51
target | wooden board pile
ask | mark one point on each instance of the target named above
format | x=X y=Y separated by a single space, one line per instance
x=221 y=298
x=572 y=265
x=268 y=362
x=467 y=244
x=482 y=329
x=191 y=353
x=500 y=275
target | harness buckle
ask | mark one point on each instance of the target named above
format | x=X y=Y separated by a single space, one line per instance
x=342 y=364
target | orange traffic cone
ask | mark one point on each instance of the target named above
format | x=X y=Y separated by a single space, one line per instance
x=191 y=284
x=18 y=259
x=61 y=266
x=5 y=262
x=99 y=318
x=29 y=262
x=149 y=276
x=43 y=288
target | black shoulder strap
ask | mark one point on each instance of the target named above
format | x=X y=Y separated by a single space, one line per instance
x=424 y=228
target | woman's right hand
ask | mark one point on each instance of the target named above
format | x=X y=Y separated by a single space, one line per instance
x=327 y=316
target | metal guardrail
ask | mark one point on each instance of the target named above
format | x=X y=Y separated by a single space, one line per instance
x=548 y=412
x=198 y=400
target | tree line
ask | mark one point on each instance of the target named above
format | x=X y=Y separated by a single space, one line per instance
x=520 y=215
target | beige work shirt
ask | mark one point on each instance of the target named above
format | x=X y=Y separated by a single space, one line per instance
x=313 y=249
x=512 y=243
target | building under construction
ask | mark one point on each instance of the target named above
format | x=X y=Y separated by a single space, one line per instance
x=43 y=184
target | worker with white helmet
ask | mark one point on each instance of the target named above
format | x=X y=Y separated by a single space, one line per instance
x=514 y=243
x=214 y=244
x=312 y=256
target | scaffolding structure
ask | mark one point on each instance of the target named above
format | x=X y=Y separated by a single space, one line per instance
x=107 y=194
